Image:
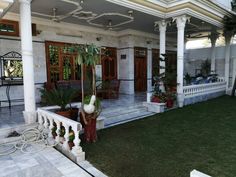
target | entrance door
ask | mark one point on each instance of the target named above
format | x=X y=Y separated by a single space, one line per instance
x=140 y=69
x=109 y=64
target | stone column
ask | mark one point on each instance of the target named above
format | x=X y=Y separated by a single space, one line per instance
x=180 y=21
x=27 y=58
x=213 y=37
x=149 y=68
x=228 y=37
x=162 y=29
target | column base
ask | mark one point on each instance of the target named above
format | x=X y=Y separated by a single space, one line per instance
x=30 y=117
x=180 y=99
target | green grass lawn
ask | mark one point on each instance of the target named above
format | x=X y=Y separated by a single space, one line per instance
x=201 y=136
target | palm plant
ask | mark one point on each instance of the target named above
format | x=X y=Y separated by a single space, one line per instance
x=59 y=97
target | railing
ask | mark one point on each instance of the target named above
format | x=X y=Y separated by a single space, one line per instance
x=202 y=89
x=51 y=121
x=196 y=173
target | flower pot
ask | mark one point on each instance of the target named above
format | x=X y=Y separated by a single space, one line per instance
x=155 y=99
x=169 y=103
x=70 y=113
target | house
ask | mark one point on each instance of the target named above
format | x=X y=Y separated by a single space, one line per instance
x=135 y=32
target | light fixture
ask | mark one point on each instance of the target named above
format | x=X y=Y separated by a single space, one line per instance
x=98 y=38
x=130 y=12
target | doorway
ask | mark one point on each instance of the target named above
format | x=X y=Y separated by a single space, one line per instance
x=140 y=69
x=109 y=64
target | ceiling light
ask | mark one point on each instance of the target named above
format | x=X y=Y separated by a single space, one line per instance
x=130 y=12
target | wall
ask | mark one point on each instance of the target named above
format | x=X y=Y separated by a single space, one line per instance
x=8 y=44
x=126 y=66
x=194 y=58
x=124 y=42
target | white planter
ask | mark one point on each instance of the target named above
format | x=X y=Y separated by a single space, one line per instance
x=155 y=107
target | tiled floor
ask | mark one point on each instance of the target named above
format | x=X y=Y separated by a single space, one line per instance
x=49 y=162
x=46 y=163
x=12 y=117
x=124 y=100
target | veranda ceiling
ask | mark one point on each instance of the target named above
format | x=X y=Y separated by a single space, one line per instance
x=141 y=21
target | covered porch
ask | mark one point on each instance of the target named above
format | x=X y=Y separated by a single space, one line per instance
x=137 y=35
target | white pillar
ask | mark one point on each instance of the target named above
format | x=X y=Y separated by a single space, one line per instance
x=27 y=57
x=149 y=69
x=162 y=29
x=213 y=37
x=180 y=21
x=228 y=37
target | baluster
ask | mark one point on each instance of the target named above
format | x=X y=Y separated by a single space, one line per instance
x=45 y=122
x=66 y=136
x=40 y=120
x=77 y=149
x=58 y=131
x=50 y=127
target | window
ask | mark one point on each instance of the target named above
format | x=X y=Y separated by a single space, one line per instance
x=9 y=28
x=61 y=63
x=11 y=66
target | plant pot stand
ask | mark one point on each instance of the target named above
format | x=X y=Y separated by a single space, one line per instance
x=90 y=133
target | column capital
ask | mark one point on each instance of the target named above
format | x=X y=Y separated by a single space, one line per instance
x=214 y=36
x=181 y=20
x=162 y=24
x=25 y=1
x=228 y=35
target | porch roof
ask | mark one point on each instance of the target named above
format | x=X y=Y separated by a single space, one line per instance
x=205 y=15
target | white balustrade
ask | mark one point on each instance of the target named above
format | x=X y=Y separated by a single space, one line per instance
x=202 y=89
x=196 y=173
x=49 y=120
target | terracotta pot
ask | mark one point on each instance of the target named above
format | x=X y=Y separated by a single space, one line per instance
x=74 y=113
x=70 y=113
x=169 y=103
x=155 y=99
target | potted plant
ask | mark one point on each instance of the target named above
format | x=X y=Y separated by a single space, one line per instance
x=63 y=99
x=170 y=98
x=187 y=78
x=158 y=97
x=206 y=68
x=88 y=55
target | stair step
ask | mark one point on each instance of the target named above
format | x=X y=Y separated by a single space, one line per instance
x=122 y=112
x=126 y=117
x=120 y=108
x=114 y=122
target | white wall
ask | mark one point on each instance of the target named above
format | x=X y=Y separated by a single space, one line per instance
x=194 y=58
x=8 y=44
x=125 y=45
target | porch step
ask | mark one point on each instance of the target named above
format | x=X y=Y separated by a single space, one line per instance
x=4 y=132
x=121 y=108
x=123 y=112
x=122 y=115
